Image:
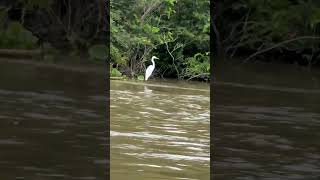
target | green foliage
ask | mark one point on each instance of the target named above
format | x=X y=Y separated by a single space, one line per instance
x=115 y=73
x=98 y=52
x=3 y=17
x=140 y=78
x=315 y=18
x=198 y=66
x=118 y=57
x=16 y=36
x=172 y=30
x=75 y=29
x=255 y=25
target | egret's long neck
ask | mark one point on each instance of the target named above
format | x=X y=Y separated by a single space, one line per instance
x=152 y=61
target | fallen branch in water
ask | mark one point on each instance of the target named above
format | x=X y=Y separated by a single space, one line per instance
x=196 y=76
x=19 y=53
x=278 y=45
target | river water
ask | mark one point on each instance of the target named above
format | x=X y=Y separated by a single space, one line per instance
x=52 y=123
x=266 y=125
x=159 y=131
x=53 y=126
x=266 y=122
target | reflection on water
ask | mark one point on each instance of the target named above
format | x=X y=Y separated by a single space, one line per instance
x=147 y=92
x=158 y=132
x=52 y=124
x=267 y=129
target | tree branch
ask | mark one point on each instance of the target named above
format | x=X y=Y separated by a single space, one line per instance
x=173 y=60
x=278 y=45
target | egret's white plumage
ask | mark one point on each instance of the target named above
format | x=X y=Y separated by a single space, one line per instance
x=150 y=68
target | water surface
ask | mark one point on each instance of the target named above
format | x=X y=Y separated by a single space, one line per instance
x=266 y=122
x=159 y=131
x=52 y=123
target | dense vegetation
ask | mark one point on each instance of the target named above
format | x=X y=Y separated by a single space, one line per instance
x=282 y=31
x=176 y=31
x=64 y=28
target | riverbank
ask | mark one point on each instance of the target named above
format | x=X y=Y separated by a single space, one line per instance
x=84 y=67
x=169 y=84
x=267 y=76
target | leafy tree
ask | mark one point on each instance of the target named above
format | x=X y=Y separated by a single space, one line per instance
x=172 y=29
x=282 y=30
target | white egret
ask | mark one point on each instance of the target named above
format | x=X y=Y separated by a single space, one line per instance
x=150 y=68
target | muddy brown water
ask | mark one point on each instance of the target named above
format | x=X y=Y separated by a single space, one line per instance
x=53 y=126
x=266 y=122
x=52 y=123
x=159 y=130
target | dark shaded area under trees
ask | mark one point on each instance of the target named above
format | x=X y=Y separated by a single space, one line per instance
x=286 y=31
x=67 y=26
